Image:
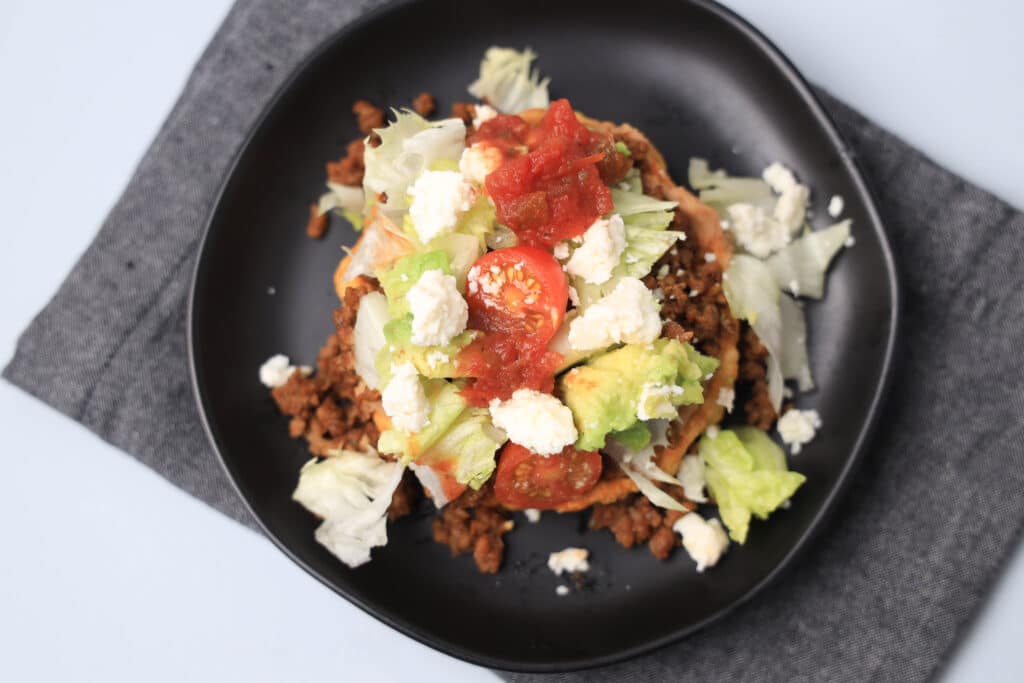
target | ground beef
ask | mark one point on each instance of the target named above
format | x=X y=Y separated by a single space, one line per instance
x=635 y=520
x=424 y=104
x=465 y=111
x=471 y=523
x=754 y=375
x=368 y=116
x=405 y=497
x=349 y=169
x=333 y=408
x=317 y=224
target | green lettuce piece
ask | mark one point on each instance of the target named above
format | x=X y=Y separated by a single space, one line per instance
x=467 y=449
x=623 y=148
x=433 y=362
x=635 y=437
x=508 y=83
x=405 y=273
x=479 y=221
x=446 y=405
x=644 y=246
x=800 y=266
x=718 y=189
x=462 y=250
x=604 y=392
x=746 y=478
x=634 y=205
x=409 y=146
x=753 y=296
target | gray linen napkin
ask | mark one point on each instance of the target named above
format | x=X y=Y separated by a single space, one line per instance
x=884 y=592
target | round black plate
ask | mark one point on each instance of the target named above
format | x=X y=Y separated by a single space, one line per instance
x=699 y=82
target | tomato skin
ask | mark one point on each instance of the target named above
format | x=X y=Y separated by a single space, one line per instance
x=528 y=480
x=520 y=291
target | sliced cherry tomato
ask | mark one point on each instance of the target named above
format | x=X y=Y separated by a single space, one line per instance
x=518 y=291
x=528 y=480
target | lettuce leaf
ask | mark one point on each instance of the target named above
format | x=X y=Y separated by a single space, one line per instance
x=467 y=449
x=432 y=362
x=446 y=405
x=639 y=465
x=718 y=190
x=406 y=273
x=753 y=296
x=368 y=336
x=800 y=266
x=409 y=145
x=745 y=478
x=345 y=200
x=351 y=492
x=507 y=82
x=793 y=358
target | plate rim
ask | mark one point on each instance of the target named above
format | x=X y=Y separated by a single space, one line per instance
x=825 y=510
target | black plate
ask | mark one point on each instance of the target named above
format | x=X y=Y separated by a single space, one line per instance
x=699 y=82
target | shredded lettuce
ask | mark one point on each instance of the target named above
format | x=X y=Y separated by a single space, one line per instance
x=470 y=443
x=507 y=82
x=639 y=465
x=800 y=266
x=432 y=362
x=745 y=478
x=446 y=405
x=351 y=492
x=793 y=350
x=368 y=336
x=641 y=210
x=346 y=200
x=462 y=251
x=718 y=190
x=480 y=221
x=406 y=273
x=753 y=296
x=409 y=145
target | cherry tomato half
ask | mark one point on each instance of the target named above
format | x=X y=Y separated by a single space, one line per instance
x=528 y=480
x=518 y=291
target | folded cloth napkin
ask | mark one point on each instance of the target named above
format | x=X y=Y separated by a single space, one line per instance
x=882 y=594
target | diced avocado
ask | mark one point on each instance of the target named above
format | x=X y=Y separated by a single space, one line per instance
x=604 y=392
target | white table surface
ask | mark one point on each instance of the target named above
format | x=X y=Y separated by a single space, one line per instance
x=110 y=573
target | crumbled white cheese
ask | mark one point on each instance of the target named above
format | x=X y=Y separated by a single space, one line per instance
x=663 y=271
x=532 y=515
x=791 y=207
x=478 y=161
x=438 y=310
x=603 y=244
x=561 y=251
x=712 y=431
x=849 y=241
x=655 y=401
x=438 y=197
x=726 y=397
x=710 y=257
x=778 y=177
x=691 y=476
x=484 y=113
x=798 y=427
x=628 y=314
x=561 y=591
x=404 y=399
x=756 y=231
x=704 y=540
x=537 y=421
x=835 y=206
x=276 y=370
x=570 y=560
x=794 y=287
x=574 y=296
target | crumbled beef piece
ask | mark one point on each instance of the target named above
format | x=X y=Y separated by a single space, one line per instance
x=753 y=372
x=368 y=116
x=316 y=226
x=424 y=104
x=635 y=520
x=405 y=497
x=349 y=169
x=471 y=523
x=465 y=111
x=334 y=408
